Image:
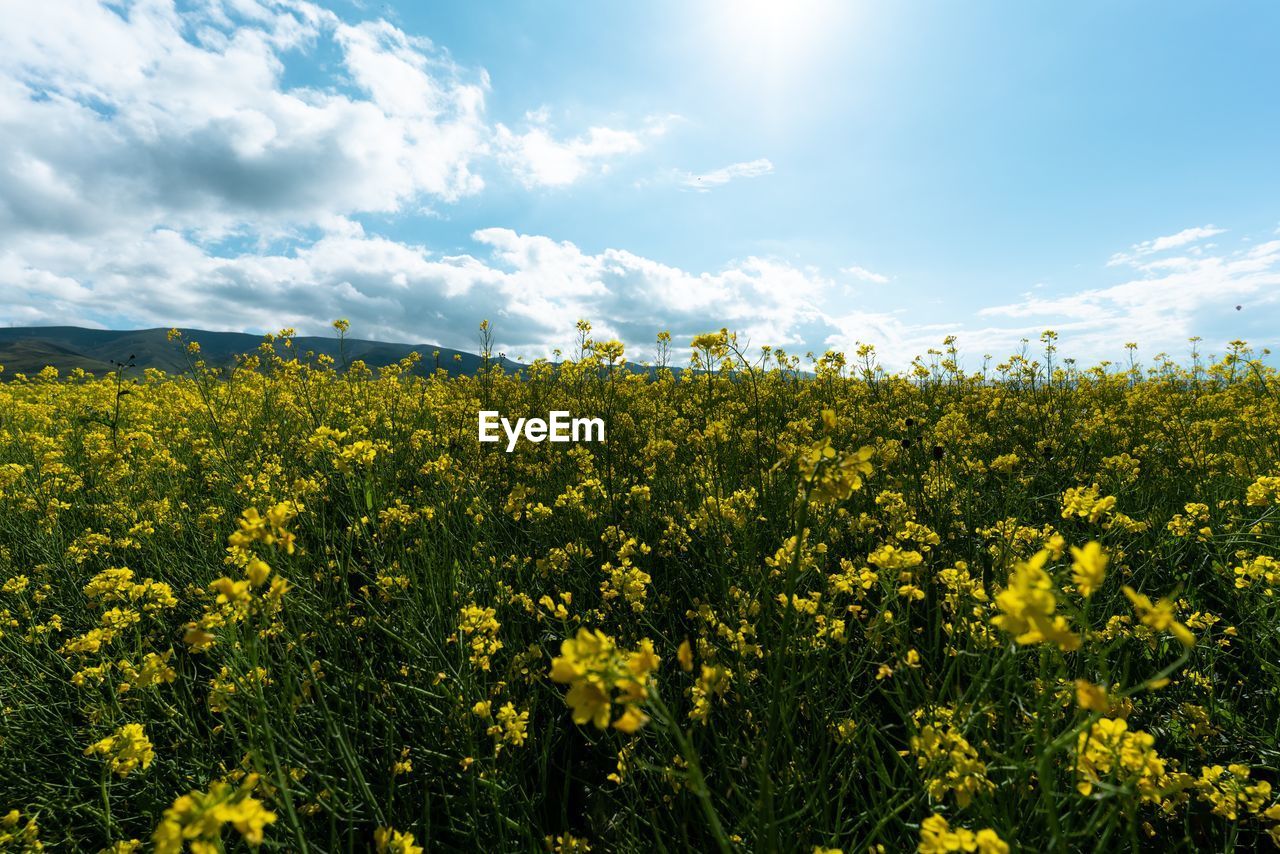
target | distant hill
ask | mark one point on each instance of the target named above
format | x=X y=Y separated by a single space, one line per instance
x=28 y=349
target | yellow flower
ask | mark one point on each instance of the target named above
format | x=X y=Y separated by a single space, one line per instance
x=154 y=670
x=198 y=818
x=950 y=762
x=630 y=720
x=1228 y=789
x=128 y=748
x=1088 y=568
x=714 y=681
x=15 y=585
x=1109 y=749
x=257 y=570
x=593 y=667
x=389 y=841
x=197 y=638
x=514 y=724
x=685 y=656
x=1091 y=697
x=1159 y=616
x=1028 y=604
x=1084 y=503
x=1263 y=491
x=938 y=837
x=834 y=475
x=123 y=847
x=481 y=626
x=24 y=839
x=567 y=843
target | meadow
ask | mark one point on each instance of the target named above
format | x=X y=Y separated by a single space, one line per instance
x=298 y=605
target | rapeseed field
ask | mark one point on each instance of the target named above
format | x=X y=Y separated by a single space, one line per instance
x=297 y=605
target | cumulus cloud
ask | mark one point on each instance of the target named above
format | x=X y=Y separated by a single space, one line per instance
x=136 y=115
x=142 y=148
x=533 y=287
x=718 y=177
x=539 y=159
x=141 y=116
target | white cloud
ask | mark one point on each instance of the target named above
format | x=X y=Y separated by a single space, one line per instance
x=145 y=117
x=133 y=115
x=1165 y=307
x=136 y=139
x=538 y=159
x=533 y=288
x=719 y=177
x=1218 y=295
x=895 y=340
x=865 y=275
x=1163 y=244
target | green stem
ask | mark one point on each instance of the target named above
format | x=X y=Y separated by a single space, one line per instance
x=699 y=783
x=106 y=800
x=1044 y=765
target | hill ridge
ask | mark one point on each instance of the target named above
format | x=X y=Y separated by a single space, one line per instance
x=28 y=349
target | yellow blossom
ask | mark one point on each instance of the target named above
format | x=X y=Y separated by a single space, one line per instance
x=1159 y=616
x=1028 y=605
x=1088 y=568
x=126 y=749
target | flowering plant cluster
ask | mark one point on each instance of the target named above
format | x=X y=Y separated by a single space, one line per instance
x=790 y=604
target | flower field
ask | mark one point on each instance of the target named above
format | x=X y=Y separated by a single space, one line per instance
x=299 y=607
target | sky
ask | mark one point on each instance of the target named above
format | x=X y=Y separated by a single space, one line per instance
x=811 y=174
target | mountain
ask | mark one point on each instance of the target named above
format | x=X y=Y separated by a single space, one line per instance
x=27 y=349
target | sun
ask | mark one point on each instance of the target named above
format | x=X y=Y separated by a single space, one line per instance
x=773 y=37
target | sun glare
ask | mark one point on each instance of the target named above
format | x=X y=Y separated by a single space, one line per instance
x=767 y=37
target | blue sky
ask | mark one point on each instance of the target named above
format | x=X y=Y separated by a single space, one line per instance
x=811 y=173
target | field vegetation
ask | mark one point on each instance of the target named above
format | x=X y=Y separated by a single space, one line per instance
x=298 y=605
